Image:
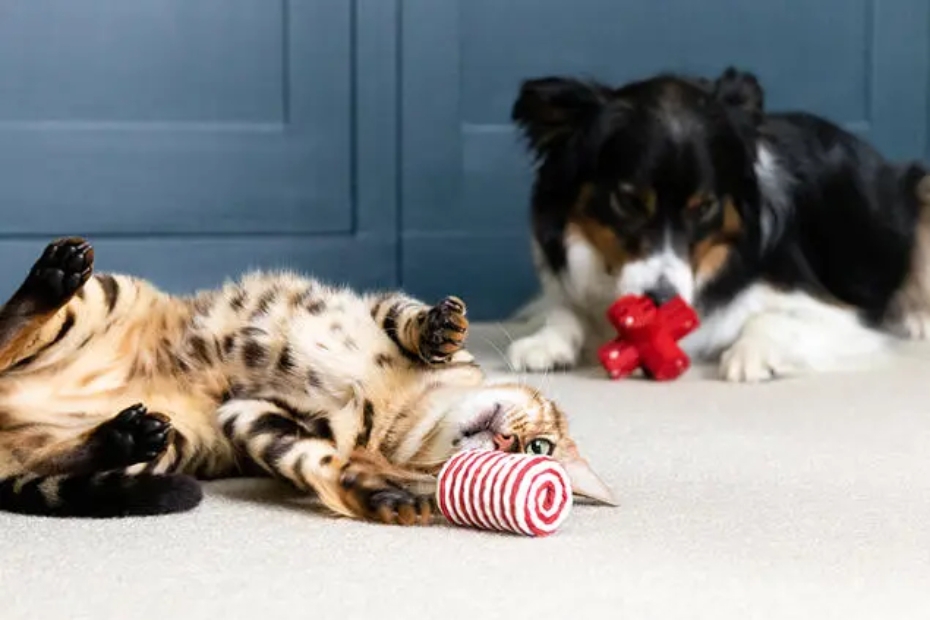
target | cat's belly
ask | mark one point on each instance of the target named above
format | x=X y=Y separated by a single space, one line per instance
x=339 y=348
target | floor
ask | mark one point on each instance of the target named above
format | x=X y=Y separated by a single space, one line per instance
x=806 y=498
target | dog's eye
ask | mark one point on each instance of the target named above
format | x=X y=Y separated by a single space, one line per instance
x=540 y=446
x=627 y=205
x=705 y=210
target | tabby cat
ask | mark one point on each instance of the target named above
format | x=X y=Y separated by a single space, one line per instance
x=115 y=396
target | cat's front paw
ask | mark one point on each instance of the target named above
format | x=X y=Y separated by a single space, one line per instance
x=444 y=331
x=377 y=498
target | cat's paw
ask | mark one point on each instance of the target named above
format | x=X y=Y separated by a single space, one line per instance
x=377 y=498
x=444 y=331
x=135 y=435
x=63 y=268
x=401 y=507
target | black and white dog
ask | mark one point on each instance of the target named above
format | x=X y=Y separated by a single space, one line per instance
x=800 y=246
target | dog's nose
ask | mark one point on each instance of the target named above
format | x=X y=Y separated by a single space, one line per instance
x=662 y=292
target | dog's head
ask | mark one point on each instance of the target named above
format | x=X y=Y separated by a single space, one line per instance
x=658 y=175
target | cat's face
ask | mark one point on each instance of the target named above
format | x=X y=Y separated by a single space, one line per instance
x=516 y=418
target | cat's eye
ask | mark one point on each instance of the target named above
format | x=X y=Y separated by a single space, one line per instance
x=540 y=446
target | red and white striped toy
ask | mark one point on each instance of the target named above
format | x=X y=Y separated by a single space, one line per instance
x=493 y=490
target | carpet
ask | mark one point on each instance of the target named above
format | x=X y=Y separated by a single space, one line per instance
x=804 y=498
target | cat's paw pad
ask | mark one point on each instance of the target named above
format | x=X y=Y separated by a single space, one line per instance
x=542 y=352
x=135 y=435
x=376 y=498
x=444 y=330
x=63 y=268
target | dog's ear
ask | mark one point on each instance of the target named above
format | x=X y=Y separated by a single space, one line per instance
x=552 y=109
x=705 y=84
x=741 y=90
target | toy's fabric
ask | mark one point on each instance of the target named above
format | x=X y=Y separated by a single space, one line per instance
x=495 y=490
x=648 y=338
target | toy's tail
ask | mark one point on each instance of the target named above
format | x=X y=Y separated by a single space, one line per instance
x=104 y=494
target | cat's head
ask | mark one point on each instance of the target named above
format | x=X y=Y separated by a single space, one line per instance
x=517 y=418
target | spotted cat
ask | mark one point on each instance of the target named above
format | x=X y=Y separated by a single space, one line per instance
x=115 y=397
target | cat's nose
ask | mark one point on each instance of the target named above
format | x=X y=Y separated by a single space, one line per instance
x=504 y=442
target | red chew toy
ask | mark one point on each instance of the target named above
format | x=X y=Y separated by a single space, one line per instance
x=648 y=337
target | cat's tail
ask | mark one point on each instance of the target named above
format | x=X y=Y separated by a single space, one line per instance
x=99 y=495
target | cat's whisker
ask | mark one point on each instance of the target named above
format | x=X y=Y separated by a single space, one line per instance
x=546 y=382
x=521 y=377
x=507 y=363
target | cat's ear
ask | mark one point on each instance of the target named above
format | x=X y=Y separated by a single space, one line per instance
x=585 y=482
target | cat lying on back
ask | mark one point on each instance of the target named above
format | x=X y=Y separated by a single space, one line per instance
x=114 y=396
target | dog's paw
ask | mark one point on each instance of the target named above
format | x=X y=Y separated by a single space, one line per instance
x=546 y=350
x=914 y=326
x=753 y=359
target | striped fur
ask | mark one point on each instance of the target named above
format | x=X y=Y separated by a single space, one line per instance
x=115 y=396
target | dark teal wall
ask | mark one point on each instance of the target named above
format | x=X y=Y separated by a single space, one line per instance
x=368 y=141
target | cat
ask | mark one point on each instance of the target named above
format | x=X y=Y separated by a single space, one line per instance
x=115 y=397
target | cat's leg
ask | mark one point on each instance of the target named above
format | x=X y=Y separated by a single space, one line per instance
x=104 y=472
x=134 y=436
x=35 y=317
x=432 y=334
x=303 y=451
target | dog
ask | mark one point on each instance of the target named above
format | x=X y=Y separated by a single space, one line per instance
x=801 y=247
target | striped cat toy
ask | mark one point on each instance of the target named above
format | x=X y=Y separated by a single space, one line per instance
x=492 y=490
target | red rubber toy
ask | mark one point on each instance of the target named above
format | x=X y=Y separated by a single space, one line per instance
x=648 y=338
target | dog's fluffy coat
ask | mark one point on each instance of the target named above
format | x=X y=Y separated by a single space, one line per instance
x=800 y=245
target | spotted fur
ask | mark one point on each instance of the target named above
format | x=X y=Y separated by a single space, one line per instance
x=115 y=396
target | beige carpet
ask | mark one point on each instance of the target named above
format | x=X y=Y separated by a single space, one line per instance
x=800 y=499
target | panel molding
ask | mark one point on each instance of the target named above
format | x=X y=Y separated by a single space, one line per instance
x=431 y=103
x=376 y=114
x=184 y=177
x=358 y=247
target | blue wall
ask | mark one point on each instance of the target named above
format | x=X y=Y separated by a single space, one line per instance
x=367 y=141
